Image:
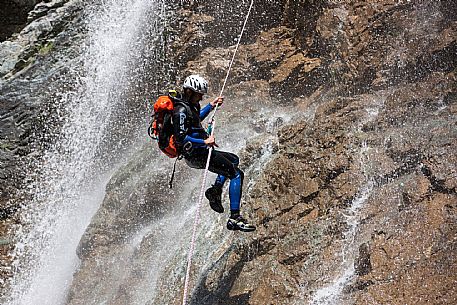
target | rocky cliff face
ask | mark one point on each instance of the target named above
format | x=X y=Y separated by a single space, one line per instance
x=32 y=64
x=349 y=114
x=358 y=203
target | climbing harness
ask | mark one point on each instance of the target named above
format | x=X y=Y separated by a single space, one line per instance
x=211 y=124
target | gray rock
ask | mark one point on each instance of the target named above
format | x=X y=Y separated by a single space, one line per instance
x=41 y=9
x=26 y=70
x=9 y=55
x=17 y=54
x=37 y=29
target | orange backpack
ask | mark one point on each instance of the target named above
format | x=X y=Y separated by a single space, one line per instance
x=161 y=127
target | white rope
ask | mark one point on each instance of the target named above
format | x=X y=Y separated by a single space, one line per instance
x=205 y=173
x=236 y=49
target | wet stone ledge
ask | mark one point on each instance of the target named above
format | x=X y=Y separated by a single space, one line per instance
x=47 y=20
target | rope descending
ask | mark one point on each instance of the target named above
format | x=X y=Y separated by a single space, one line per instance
x=212 y=123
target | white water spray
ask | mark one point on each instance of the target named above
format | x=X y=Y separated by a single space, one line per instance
x=68 y=186
x=332 y=293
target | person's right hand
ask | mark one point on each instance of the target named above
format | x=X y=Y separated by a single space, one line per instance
x=218 y=100
x=211 y=142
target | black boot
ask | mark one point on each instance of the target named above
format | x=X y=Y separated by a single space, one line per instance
x=239 y=223
x=214 y=195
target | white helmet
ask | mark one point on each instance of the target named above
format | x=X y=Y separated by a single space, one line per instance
x=196 y=83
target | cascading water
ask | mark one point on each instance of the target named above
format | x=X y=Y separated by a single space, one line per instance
x=333 y=292
x=151 y=260
x=68 y=186
x=315 y=205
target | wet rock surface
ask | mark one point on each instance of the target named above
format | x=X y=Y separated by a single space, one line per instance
x=356 y=201
x=371 y=140
x=304 y=203
x=29 y=77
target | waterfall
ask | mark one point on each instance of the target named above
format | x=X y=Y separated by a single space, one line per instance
x=342 y=114
x=333 y=292
x=68 y=186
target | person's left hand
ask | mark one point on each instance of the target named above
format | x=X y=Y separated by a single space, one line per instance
x=217 y=101
x=211 y=142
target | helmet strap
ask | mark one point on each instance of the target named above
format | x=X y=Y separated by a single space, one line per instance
x=187 y=94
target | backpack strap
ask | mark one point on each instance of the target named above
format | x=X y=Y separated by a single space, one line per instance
x=178 y=101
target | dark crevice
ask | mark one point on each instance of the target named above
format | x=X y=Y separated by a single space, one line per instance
x=362 y=264
x=357 y=286
x=294 y=259
x=221 y=295
x=266 y=220
x=281 y=212
x=13 y=17
x=7 y=213
x=347 y=202
x=411 y=160
x=304 y=213
x=309 y=198
x=437 y=184
x=334 y=174
x=405 y=202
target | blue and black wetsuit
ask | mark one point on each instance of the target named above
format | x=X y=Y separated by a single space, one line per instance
x=190 y=136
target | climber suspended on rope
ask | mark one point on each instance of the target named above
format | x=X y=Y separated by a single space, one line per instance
x=193 y=142
x=222 y=163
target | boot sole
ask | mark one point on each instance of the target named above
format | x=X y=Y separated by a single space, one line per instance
x=214 y=202
x=217 y=207
x=236 y=228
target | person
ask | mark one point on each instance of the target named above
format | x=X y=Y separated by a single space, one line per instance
x=193 y=143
